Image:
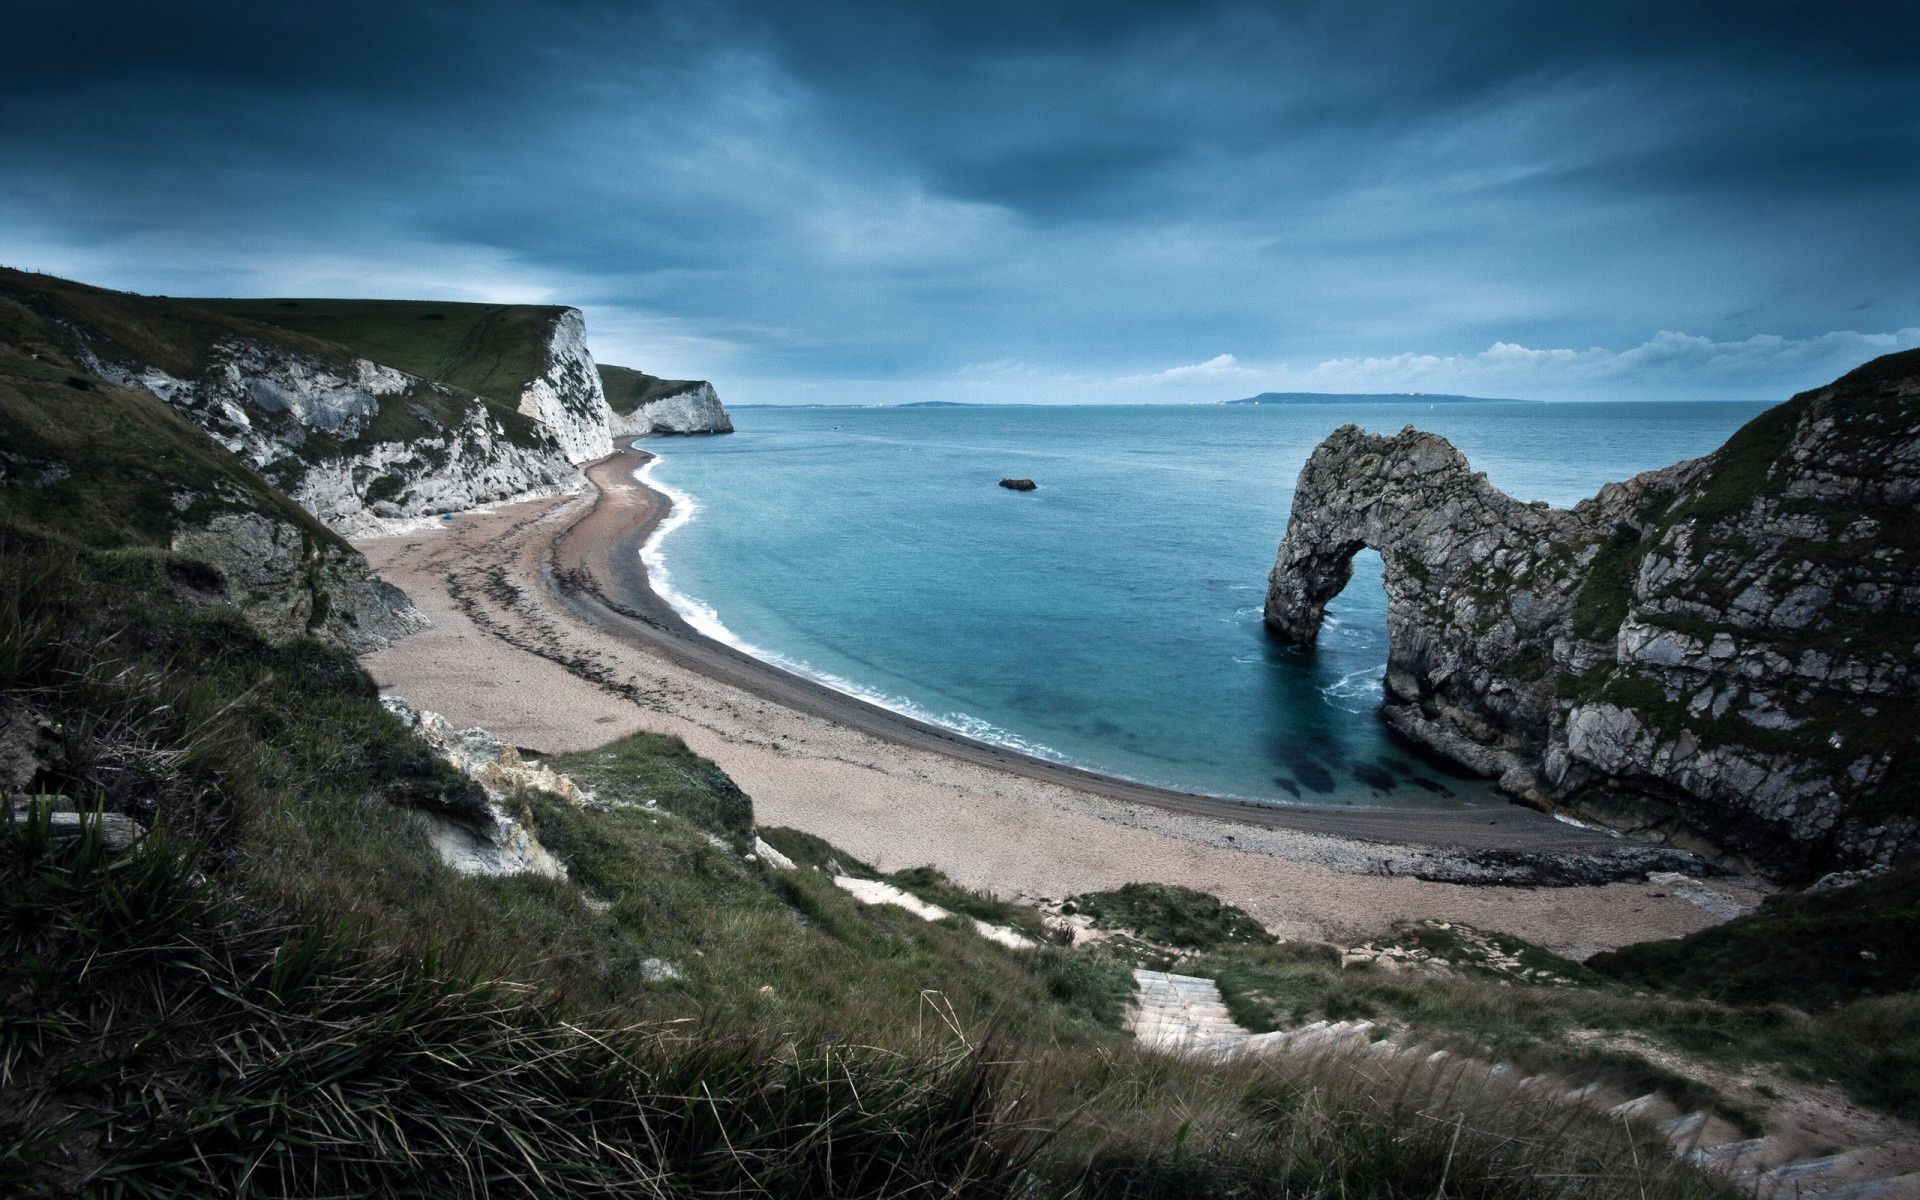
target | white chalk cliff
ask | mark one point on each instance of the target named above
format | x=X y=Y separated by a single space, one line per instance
x=567 y=397
x=695 y=409
x=353 y=442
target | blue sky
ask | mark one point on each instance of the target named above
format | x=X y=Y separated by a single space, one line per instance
x=988 y=201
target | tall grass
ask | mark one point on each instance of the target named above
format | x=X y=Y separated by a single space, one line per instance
x=281 y=991
x=167 y=1042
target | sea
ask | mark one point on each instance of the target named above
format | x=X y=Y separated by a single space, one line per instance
x=1109 y=619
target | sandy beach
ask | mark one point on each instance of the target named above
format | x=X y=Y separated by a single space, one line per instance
x=544 y=631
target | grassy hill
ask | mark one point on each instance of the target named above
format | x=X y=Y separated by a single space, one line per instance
x=491 y=350
x=493 y=344
x=109 y=466
x=627 y=389
x=282 y=990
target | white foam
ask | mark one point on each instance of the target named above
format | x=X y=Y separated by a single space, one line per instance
x=1367 y=686
x=706 y=621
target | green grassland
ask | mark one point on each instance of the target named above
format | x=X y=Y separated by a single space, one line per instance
x=171 y=335
x=627 y=389
x=498 y=348
x=108 y=466
x=491 y=350
x=282 y=990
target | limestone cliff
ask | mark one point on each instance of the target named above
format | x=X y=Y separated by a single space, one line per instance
x=566 y=396
x=353 y=441
x=643 y=405
x=115 y=468
x=1721 y=653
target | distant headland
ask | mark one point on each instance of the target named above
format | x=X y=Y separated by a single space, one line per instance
x=1373 y=398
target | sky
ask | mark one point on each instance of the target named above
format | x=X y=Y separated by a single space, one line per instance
x=896 y=201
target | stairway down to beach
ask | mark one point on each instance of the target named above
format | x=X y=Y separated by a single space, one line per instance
x=1185 y=1014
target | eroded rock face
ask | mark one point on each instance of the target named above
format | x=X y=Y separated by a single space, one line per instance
x=355 y=443
x=696 y=409
x=494 y=842
x=1722 y=653
x=567 y=397
x=289 y=583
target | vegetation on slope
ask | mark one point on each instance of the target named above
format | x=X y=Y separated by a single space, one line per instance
x=39 y=312
x=1169 y=915
x=628 y=389
x=282 y=990
x=491 y=350
x=1813 y=950
x=107 y=465
x=1569 y=1020
x=648 y=767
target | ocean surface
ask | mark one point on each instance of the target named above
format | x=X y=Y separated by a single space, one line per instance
x=1110 y=619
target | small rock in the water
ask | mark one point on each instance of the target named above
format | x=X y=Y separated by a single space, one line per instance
x=1019 y=485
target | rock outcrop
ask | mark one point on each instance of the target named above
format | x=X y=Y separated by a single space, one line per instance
x=115 y=468
x=355 y=443
x=643 y=405
x=288 y=583
x=493 y=843
x=1723 y=653
x=567 y=397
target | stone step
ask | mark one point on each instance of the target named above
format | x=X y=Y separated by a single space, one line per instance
x=1729 y=1156
x=1683 y=1129
x=1635 y=1107
x=1802 y=1169
x=1580 y=1095
x=1186 y=1014
x=1183 y=1014
x=1891 y=1187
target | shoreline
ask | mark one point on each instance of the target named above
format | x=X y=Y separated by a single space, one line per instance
x=544 y=632
x=600 y=574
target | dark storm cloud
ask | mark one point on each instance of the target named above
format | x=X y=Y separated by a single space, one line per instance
x=1034 y=199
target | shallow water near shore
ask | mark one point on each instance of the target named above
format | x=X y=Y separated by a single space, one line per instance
x=1111 y=618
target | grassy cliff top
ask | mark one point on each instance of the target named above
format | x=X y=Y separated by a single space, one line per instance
x=627 y=389
x=473 y=347
x=109 y=466
x=173 y=335
x=492 y=350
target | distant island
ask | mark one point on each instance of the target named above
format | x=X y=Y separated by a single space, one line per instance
x=1372 y=398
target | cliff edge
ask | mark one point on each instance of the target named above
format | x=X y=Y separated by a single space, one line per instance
x=643 y=405
x=1721 y=653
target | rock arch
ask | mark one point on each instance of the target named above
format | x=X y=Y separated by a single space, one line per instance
x=1469 y=607
x=1719 y=653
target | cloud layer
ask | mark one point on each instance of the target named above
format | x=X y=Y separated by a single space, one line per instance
x=874 y=197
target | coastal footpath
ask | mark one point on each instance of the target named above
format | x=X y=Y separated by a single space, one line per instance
x=1721 y=654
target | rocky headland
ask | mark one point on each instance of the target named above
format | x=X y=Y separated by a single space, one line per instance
x=1721 y=654
x=645 y=405
x=363 y=412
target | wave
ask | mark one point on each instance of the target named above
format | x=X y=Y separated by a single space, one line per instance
x=706 y=621
x=1367 y=686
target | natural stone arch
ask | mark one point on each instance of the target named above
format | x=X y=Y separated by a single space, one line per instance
x=1471 y=606
x=1719 y=653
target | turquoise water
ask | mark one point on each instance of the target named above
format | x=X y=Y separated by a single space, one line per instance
x=1110 y=619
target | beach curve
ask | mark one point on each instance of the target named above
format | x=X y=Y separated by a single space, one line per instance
x=547 y=631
